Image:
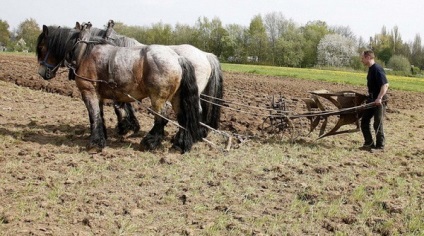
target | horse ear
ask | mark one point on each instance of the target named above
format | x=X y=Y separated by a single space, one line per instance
x=110 y=24
x=77 y=26
x=45 y=30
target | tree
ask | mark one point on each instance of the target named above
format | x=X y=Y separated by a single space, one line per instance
x=343 y=31
x=386 y=45
x=274 y=25
x=184 y=34
x=336 y=50
x=385 y=54
x=29 y=31
x=362 y=45
x=417 y=52
x=211 y=35
x=218 y=37
x=237 y=43
x=313 y=33
x=257 y=39
x=396 y=40
x=159 y=33
x=289 y=46
x=203 y=26
x=4 y=33
x=128 y=31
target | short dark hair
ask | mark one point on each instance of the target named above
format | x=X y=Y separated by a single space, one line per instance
x=369 y=53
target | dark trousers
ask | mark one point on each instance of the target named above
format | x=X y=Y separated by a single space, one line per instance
x=378 y=114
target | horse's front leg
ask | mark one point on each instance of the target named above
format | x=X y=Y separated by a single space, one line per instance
x=98 y=129
x=126 y=118
x=155 y=136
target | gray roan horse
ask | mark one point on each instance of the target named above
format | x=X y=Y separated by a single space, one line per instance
x=104 y=71
x=208 y=72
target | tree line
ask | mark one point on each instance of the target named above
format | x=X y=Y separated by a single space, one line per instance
x=269 y=40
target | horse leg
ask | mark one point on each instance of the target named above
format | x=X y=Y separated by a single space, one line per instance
x=103 y=119
x=155 y=136
x=126 y=118
x=97 y=126
x=211 y=111
x=186 y=106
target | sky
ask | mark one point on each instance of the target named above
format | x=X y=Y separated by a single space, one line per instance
x=364 y=18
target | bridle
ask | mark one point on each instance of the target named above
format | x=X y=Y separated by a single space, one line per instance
x=50 y=69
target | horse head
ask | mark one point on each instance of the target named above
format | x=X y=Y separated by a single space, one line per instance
x=48 y=64
x=52 y=45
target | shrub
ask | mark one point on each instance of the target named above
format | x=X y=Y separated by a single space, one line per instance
x=415 y=70
x=399 y=63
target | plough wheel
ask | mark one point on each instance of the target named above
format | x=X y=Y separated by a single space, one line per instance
x=292 y=128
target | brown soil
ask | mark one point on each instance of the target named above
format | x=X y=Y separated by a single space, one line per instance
x=37 y=121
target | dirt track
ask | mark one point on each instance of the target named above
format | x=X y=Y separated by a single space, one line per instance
x=49 y=185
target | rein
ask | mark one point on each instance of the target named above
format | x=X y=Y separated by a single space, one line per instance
x=112 y=84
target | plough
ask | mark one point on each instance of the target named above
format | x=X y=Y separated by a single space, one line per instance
x=349 y=107
x=343 y=108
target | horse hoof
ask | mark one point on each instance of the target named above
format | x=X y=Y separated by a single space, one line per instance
x=94 y=150
x=122 y=131
x=176 y=149
x=151 y=142
x=124 y=127
x=147 y=146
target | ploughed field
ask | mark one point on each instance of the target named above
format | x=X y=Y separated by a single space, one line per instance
x=265 y=185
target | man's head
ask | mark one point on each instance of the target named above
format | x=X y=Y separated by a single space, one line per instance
x=367 y=58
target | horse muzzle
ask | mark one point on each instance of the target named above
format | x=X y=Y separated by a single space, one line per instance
x=46 y=72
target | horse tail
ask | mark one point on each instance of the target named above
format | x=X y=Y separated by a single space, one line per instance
x=211 y=108
x=189 y=113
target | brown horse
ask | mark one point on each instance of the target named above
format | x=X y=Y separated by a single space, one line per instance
x=208 y=72
x=104 y=71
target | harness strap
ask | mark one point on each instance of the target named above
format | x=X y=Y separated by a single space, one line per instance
x=112 y=84
x=111 y=65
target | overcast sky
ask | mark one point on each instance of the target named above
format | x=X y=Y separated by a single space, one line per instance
x=365 y=18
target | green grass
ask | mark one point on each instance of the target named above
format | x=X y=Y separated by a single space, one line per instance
x=343 y=77
x=31 y=54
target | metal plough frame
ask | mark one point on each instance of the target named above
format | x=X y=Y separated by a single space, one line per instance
x=349 y=104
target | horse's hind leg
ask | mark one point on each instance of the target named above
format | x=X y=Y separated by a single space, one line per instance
x=187 y=107
x=97 y=126
x=155 y=136
x=126 y=118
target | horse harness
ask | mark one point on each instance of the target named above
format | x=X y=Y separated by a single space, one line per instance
x=73 y=67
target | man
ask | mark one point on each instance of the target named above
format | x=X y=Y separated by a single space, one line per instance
x=377 y=88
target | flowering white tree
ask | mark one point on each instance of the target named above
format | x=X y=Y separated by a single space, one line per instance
x=336 y=50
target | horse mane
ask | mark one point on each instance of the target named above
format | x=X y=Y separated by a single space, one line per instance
x=60 y=40
x=96 y=40
x=117 y=39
